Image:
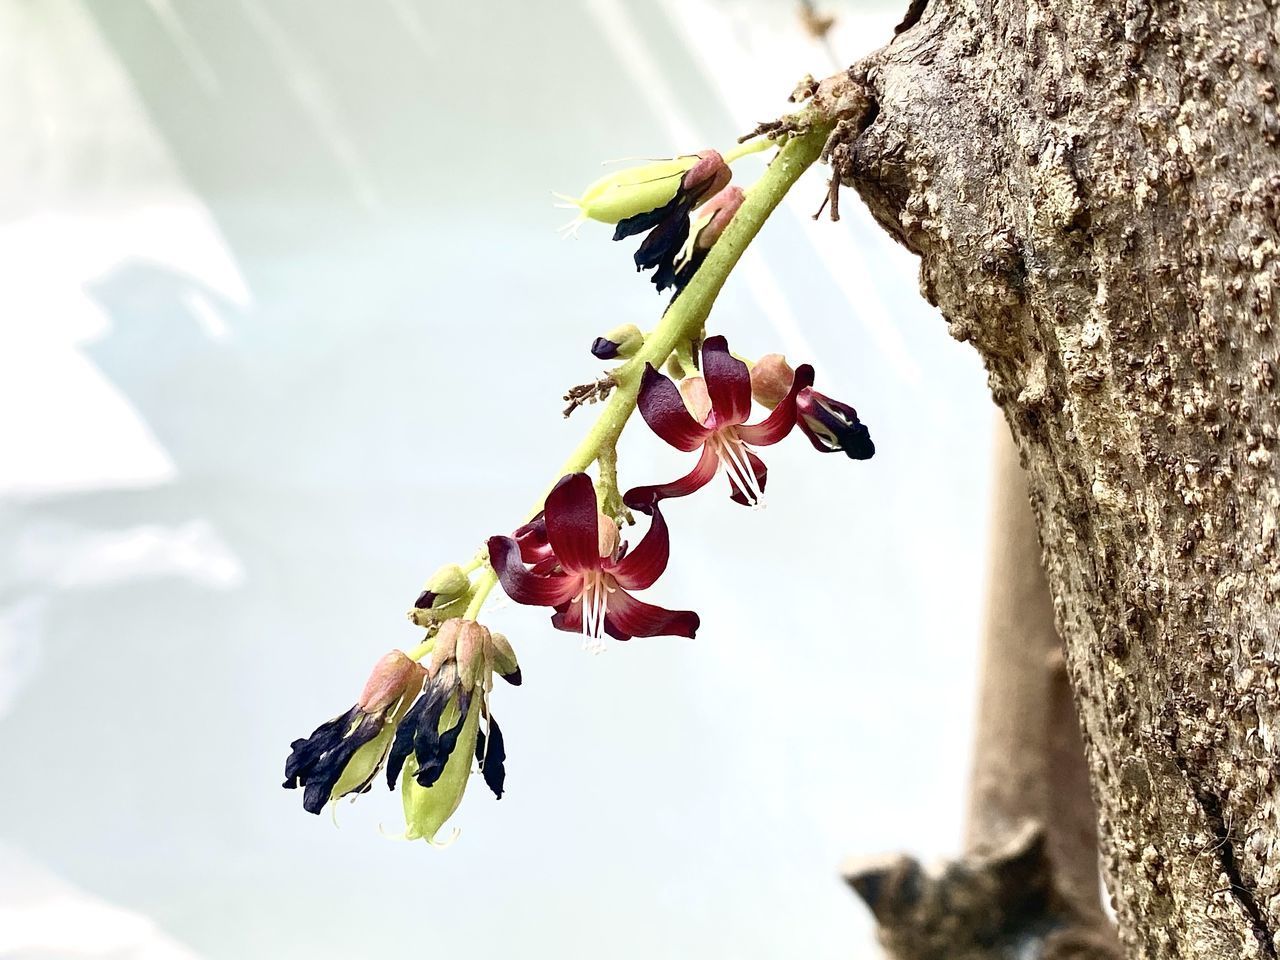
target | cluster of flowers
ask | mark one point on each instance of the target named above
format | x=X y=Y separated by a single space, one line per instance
x=423 y=722
x=571 y=557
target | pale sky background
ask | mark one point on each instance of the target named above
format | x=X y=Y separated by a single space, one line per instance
x=284 y=325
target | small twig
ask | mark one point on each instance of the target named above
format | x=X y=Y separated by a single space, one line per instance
x=833 y=198
x=593 y=392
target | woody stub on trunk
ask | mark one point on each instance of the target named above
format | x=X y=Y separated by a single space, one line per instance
x=1093 y=189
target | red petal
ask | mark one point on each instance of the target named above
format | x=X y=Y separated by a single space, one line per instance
x=728 y=383
x=572 y=528
x=663 y=409
x=644 y=498
x=736 y=493
x=523 y=586
x=568 y=617
x=779 y=423
x=644 y=565
x=628 y=617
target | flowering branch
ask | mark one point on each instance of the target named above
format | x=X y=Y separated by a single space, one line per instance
x=424 y=714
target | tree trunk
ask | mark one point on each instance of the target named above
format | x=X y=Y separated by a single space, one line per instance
x=1094 y=192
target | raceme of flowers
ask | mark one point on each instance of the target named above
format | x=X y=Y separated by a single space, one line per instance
x=423 y=720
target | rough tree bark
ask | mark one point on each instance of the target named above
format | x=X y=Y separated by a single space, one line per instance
x=1093 y=189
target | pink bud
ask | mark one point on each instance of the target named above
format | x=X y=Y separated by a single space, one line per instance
x=393 y=677
x=707 y=177
x=470 y=651
x=771 y=379
x=715 y=216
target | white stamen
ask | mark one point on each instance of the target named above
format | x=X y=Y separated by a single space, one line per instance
x=595 y=604
x=733 y=454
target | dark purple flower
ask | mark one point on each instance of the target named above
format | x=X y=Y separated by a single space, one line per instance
x=668 y=225
x=712 y=218
x=721 y=400
x=343 y=755
x=832 y=426
x=589 y=574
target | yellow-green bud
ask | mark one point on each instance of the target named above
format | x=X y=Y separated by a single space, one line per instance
x=619 y=343
x=635 y=190
x=448 y=584
x=504 y=659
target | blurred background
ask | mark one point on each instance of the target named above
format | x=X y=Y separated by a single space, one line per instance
x=286 y=324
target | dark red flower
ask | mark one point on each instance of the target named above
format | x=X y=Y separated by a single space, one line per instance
x=588 y=575
x=722 y=401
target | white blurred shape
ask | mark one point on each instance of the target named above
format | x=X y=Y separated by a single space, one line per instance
x=21 y=626
x=43 y=917
x=65 y=556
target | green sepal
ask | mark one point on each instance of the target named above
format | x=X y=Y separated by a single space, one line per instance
x=364 y=764
x=426 y=809
x=634 y=190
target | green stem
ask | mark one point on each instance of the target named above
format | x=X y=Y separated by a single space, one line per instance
x=483 y=586
x=683 y=321
x=743 y=149
x=686 y=317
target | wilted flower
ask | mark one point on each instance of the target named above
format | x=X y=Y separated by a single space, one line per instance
x=833 y=426
x=668 y=225
x=712 y=218
x=449 y=724
x=830 y=425
x=710 y=412
x=588 y=573
x=343 y=755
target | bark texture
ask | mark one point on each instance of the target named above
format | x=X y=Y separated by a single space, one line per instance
x=1094 y=192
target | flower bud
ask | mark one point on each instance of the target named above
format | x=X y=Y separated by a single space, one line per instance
x=771 y=380
x=446 y=585
x=470 y=651
x=394 y=676
x=446 y=642
x=715 y=216
x=696 y=397
x=620 y=342
x=636 y=190
x=504 y=659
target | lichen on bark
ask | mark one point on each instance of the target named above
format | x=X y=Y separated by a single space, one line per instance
x=1093 y=190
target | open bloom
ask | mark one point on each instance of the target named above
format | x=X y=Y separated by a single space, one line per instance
x=344 y=754
x=710 y=412
x=588 y=573
x=450 y=723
